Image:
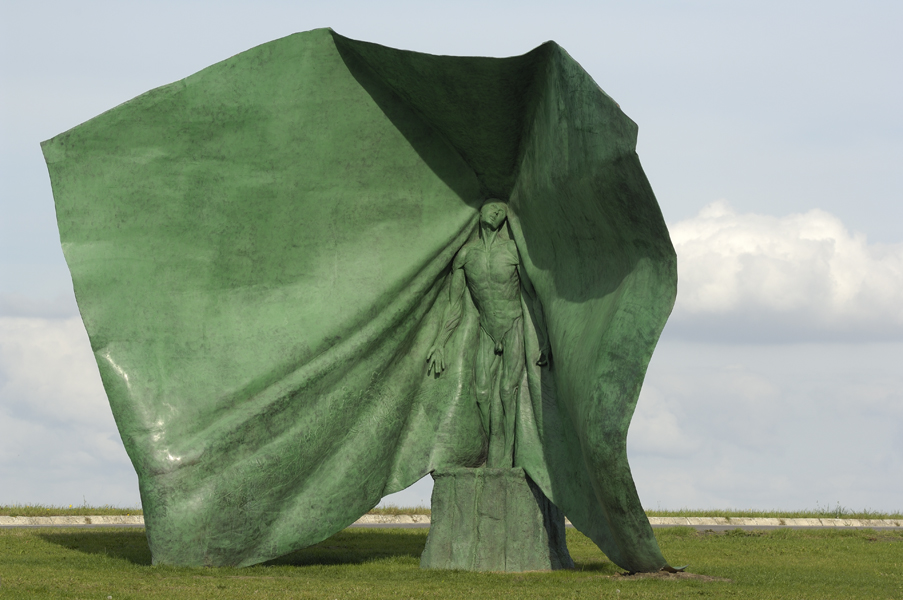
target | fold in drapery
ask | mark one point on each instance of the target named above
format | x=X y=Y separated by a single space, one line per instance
x=259 y=250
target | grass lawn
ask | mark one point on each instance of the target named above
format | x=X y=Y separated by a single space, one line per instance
x=383 y=563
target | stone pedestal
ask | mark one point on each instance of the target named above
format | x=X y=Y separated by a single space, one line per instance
x=493 y=520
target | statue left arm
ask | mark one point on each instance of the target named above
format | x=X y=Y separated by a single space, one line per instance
x=545 y=348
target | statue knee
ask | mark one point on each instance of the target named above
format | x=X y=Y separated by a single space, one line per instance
x=482 y=395
x=507 y=392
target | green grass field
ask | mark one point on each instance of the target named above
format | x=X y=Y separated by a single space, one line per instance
x=383 y=563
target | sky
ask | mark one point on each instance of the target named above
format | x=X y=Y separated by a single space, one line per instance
x=770 y=132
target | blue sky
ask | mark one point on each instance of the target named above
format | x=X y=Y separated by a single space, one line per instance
x=771 y=133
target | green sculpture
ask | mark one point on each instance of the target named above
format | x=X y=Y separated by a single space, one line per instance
x=490 y=268
x=493 y=518
x=264 y=258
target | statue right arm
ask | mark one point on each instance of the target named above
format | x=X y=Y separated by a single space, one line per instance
x=453 y=311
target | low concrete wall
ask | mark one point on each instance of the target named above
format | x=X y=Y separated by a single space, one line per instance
x=772 y=522
x=71 y=520
x=424 y=520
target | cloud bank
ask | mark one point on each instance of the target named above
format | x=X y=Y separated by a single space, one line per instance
x=58 y=441
x=799 y=277
x=770 y=426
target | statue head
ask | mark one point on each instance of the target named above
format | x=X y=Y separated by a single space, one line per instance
x=493 y=213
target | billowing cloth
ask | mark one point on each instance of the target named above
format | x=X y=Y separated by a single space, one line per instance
x=259 y=253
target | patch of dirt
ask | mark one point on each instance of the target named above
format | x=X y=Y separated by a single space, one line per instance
x=682 y=576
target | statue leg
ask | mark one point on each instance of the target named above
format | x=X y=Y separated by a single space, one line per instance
x=512 y=372
x=482 y=378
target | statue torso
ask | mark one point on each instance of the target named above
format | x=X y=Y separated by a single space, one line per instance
x=494 y=284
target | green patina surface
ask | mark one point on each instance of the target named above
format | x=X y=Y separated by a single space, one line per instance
x=493 y=520
x=259 y=253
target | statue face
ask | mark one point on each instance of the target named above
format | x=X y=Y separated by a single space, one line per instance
x=493 y=214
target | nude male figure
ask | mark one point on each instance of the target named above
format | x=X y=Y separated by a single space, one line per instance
x=490 y=268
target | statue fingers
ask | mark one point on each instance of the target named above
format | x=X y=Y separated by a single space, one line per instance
x=544 y=359
x=436 y=360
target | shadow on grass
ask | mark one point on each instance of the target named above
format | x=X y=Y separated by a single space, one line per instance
x=597 y=566
x=352 y=546
x=358 y=546
x=346 y=547
x=130 y=545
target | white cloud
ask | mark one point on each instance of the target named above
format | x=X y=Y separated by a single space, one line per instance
x=58 y=440
x=49 y=371
x=770 y=426
x=656 y=426
x=799 y=276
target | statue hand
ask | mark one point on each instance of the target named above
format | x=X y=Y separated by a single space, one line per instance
x=545 y=357
x=436 y=360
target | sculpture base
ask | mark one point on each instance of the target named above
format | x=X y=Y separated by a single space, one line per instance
x=493 y=520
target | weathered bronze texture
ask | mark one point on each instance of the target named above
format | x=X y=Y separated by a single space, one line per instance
x=262 y=255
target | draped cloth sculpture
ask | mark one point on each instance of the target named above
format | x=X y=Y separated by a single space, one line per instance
x=259 y=253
